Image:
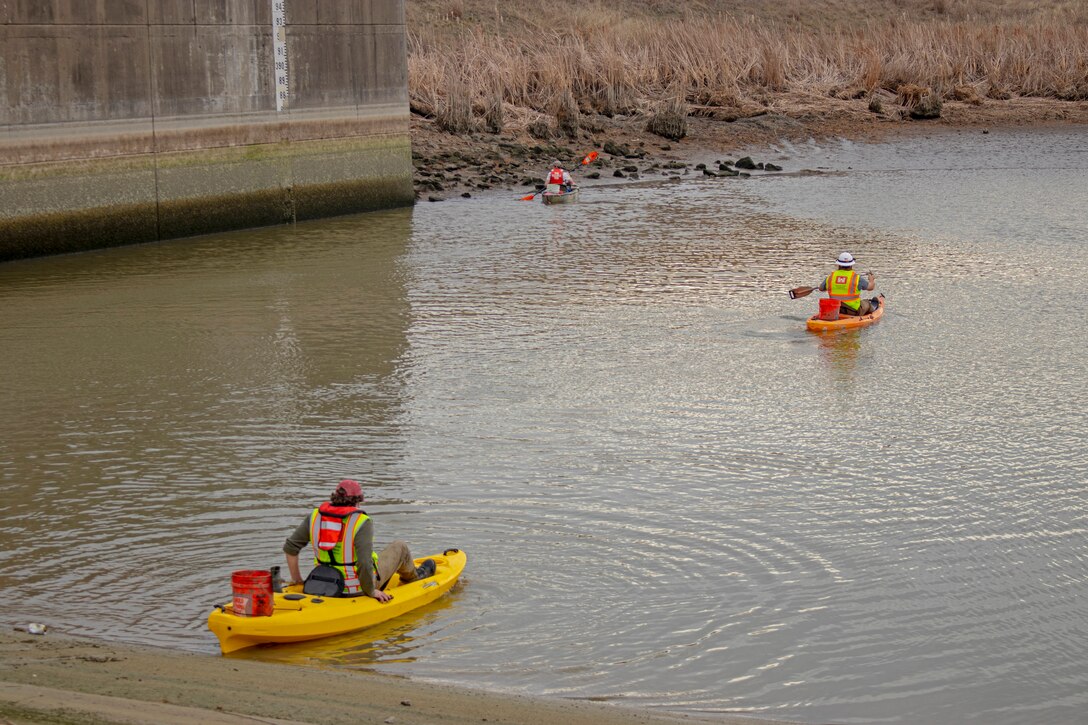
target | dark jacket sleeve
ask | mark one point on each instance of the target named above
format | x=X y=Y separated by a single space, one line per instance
x=364 y=544
x=298 y=539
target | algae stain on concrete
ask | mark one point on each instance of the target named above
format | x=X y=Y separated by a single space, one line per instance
x=216 y=155
x=93 y=203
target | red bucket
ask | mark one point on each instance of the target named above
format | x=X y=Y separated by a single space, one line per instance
x=829 y=309
x=252 y=593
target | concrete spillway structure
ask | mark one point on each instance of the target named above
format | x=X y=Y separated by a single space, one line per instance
x=126 y=121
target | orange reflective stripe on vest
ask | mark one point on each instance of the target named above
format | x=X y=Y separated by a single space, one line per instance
x=329 y=533
x=842 y=285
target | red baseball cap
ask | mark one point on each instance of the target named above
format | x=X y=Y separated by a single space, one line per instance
x=350 y=488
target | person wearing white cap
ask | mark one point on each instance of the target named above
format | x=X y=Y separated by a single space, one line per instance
x=845 y=285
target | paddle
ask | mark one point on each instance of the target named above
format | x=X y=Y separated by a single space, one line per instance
x=798 y=292
x=586 y=161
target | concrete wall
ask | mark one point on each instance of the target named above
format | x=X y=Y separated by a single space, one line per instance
x=127 y=121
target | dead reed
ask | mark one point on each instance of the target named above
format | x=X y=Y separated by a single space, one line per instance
x=669 y=119
x=593 y=58
x=566 y=114
x=453 y=109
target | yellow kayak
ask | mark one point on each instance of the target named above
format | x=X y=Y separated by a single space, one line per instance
x=298 y=617
x=846 y=322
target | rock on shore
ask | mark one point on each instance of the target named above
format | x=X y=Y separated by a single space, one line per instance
x=451 y=165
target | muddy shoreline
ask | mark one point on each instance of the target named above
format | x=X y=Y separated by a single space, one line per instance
x=449 y=166
x=52 y=678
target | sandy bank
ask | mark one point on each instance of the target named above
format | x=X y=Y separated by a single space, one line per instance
x=54 y=679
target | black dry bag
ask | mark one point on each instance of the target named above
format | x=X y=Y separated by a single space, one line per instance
x=324 y=581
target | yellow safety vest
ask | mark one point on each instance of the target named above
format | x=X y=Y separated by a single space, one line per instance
x=842 y=285
x=342 y=555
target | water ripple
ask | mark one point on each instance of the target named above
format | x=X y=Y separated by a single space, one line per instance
x=671 y=494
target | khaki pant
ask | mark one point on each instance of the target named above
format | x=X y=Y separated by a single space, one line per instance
x=395 y=558
x=865 y=308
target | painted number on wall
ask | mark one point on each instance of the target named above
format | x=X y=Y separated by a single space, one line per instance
x=279 y=50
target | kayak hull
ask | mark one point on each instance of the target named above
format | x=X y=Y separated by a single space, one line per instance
x=563 y=197
x=846 y=322
x=297 y=619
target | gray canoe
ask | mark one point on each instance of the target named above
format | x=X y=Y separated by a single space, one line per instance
x=563 y=197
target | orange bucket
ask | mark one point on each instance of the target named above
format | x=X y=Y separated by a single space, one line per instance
x=829 y=309
x=252 y=593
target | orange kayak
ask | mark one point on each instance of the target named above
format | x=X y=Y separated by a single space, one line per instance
x=846 y=322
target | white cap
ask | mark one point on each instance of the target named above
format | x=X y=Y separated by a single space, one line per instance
x=846 y=259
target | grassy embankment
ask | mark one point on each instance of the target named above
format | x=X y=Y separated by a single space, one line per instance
x=561 y=74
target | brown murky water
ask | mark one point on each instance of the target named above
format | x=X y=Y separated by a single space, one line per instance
x=672 y=494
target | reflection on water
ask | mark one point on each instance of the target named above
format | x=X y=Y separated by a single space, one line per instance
x=839 y=351
x=167 y=405
x=672 y=494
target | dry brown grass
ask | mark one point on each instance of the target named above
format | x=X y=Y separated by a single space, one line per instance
x=453 y=109
x=622 y=57
x=566 y=113
x=494 y=116
x=669 y=119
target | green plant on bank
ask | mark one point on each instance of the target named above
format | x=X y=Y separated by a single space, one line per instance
x=566 y=61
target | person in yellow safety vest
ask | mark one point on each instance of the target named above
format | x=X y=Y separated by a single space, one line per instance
x=845 y=285
x=342 y=536
x=559 y=179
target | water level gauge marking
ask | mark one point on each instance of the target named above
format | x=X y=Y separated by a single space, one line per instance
x=279 y=51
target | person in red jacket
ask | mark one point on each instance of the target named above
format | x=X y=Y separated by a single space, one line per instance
x=559 y=179
x=342 y=538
